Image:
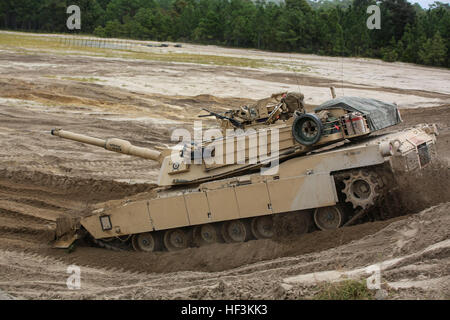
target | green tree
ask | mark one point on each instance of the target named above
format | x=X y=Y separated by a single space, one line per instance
x=390 y=53
x=113 y=29
x=92 y=14
x=433 y=51
x=333 y=27
x=411 y=45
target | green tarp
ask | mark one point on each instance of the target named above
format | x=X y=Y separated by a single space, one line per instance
x=379 y=114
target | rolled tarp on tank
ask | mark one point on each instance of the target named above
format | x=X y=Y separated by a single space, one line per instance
x=379 y=114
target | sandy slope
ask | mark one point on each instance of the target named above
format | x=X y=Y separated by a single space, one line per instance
x=413 y=254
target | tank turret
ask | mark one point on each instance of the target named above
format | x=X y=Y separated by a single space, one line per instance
x=253 y=136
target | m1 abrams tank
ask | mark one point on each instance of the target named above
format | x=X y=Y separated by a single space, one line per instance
x=322 y=167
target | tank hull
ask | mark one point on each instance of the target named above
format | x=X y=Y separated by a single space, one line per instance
x=301 y=184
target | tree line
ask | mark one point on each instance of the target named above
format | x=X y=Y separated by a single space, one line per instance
x=336 y=27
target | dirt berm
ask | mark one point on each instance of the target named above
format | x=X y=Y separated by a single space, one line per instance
x=418 y=244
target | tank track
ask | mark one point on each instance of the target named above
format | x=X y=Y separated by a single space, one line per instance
x=110 y=245
x=379 y=204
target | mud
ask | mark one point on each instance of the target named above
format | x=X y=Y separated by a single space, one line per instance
x=42 y=177
x=418 y=244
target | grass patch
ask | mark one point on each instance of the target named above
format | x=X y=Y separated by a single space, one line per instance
x=344 y=290
x=82 y=79
x=200 y=59
x=56 y=45
x=297 y=69
x=28 y=44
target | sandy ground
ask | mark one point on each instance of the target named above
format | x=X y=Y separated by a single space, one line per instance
x=408 y=85
x=412 y=254
x=142 y=101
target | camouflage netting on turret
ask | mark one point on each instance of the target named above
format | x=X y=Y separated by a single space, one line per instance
x=379 y=114
x=294 y=102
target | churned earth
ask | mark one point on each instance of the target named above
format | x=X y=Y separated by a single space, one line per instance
x=142 y=94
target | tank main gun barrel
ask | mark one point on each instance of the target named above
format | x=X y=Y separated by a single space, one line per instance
x=112 y=144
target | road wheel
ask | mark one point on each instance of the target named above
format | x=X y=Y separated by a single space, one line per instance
x=292 y=223
x=262 y=227
x=327 y=218
x=235 y=231
x=206 y=234
x=147 y=242
x=176 y=239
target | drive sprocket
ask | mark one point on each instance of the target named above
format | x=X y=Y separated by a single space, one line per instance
x=362 y=188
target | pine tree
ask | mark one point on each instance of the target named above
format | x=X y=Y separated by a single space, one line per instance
x=411 y=44
x=390 y=53
x=434 y=51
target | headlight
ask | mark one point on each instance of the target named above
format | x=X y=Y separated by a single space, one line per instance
x=105 y=221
